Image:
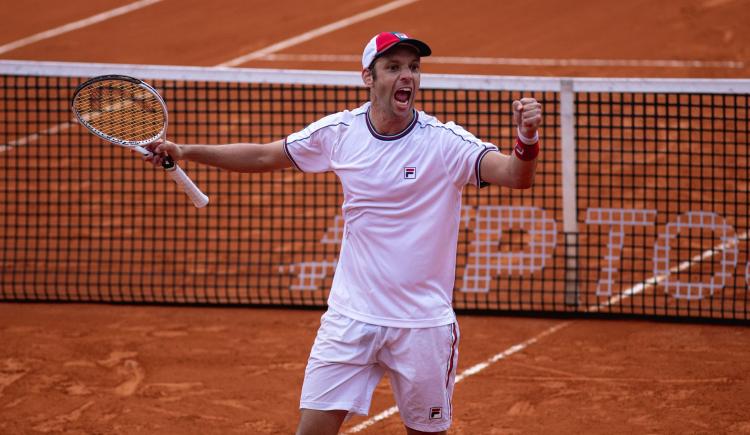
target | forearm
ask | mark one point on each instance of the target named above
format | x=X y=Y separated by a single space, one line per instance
x=238 y=157
x=522 y=172
x=233 y=157
x=515 y=170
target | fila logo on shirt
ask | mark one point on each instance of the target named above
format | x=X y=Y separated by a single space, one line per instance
x=410 y=172
x=436 y=413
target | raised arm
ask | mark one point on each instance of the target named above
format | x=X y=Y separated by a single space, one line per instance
x=517 y=170
x=237 y=157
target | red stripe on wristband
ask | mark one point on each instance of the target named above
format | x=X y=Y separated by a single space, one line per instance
x=526 y=152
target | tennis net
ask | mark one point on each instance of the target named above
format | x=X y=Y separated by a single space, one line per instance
x=639 y=207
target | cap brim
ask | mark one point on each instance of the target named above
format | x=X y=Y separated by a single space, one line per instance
x=422 y=48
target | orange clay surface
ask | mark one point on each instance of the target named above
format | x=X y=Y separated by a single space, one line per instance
x=103 y=369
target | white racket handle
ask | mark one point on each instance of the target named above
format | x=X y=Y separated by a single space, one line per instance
x=180 y=177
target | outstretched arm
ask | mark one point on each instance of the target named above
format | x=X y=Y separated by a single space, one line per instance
x=517 y=170
x=238 y=157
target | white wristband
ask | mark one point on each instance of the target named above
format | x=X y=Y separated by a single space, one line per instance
x=528 y=141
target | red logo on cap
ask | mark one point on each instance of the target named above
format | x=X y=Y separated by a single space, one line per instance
x=386 y=39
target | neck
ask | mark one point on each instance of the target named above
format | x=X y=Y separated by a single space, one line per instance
x=389 y=124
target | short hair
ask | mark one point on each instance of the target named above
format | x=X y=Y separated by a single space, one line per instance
x=371 y=68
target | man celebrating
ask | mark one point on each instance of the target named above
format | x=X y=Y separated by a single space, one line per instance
x=402 y=173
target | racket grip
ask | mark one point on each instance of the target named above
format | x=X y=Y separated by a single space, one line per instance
x=180 y=177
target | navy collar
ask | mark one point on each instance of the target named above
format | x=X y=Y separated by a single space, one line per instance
x=396 y=136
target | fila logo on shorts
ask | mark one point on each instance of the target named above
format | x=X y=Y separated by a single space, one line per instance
x=436 y=413
x=410 y=173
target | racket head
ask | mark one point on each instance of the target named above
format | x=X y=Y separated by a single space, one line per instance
x=123 y=110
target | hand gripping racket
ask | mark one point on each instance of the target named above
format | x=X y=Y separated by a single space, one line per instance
x=128 y=112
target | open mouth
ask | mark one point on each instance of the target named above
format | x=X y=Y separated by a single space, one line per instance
x=403 y=96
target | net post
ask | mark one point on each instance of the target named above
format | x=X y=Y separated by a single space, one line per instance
x=569 y=194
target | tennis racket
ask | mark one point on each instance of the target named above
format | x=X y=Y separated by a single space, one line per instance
x=130 y=113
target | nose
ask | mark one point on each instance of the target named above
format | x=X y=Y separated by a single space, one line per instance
x=406 y=73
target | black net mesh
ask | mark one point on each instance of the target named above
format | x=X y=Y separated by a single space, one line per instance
x=662 y=205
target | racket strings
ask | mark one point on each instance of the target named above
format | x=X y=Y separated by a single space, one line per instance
x=121 y=110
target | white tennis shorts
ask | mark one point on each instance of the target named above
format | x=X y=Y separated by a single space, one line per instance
x=349 y=358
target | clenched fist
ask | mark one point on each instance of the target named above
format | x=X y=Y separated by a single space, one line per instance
x=527 y=115
x=161 y=149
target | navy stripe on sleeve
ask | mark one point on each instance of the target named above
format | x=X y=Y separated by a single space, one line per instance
x=478 y=165
x=289 y=155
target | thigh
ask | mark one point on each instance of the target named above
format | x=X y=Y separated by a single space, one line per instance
x=320 y=422
x=342 y=372
x=421 y=365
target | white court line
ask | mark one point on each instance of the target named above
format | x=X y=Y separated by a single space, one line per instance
x=521 y=346
x=57 y=31
x=233 y=62
x=35 y=136
x=346 y=22
x=511 y=61
x=75 y=25
x=656 y=280
x=468 y=372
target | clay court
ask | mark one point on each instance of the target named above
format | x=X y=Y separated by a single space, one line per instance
x=88 y=368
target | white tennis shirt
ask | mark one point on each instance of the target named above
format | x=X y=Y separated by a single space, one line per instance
x=402 y=204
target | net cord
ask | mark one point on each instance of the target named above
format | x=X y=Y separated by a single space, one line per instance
x=343 y=78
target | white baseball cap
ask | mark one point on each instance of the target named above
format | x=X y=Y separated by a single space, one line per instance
x=384 y=41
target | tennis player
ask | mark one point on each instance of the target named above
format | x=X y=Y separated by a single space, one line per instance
x=402 y=173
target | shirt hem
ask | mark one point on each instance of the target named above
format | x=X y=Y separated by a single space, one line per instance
x=289 y=154
x=392 y=322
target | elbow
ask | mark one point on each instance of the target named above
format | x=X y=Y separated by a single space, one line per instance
x=523 y=183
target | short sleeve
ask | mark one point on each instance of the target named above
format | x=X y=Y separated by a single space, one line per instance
x=463 y=154
x=310 y=148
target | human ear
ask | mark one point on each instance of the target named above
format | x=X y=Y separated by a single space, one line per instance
x=367 y=77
